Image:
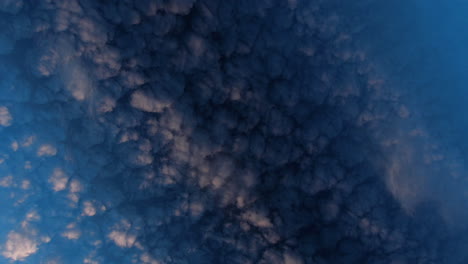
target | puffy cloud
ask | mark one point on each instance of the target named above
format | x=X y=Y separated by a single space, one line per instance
x=266 y=130
x=5 y=116
x=75 y=186
x=257 y=219
x=46 y=62
x=72 y=234
x=122 y=239
x=6 y=181
x=88 y=208
x=146 y=101
x=105 y=105
x=59 y=180
x=46 y=150
x=77 y=81
x=146 y=258
x=92 y=31
x=19 y=247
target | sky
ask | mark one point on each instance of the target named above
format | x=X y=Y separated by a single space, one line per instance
x=233 y=131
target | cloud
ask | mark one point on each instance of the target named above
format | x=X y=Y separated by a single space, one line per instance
x=257 y=219
x=46 y=150
x=59 y=180
x=145 y=101
x=92 y=31
x=77 y=81
x=72 y=234
x=200 y=131
x=46 y=62
x=122 y=239
x=88 y=208
x=19 y=247
x=5 y=116
x=146 y=258
x=6 y=181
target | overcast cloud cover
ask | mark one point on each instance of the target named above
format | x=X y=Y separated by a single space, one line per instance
x=233 y=131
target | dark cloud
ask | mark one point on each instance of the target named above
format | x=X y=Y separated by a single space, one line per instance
x=273 y=131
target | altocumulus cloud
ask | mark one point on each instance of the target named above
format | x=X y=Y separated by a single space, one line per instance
x=206 y=131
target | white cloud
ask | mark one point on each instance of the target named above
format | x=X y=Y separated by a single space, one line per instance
x=146 y=258
x=122 y=239
x=72 y=234
x=19 y=247
x=89 y=260
x=143 y=159
x=129 y=136
x=6 y=181
x=46 y=63
x=75 y=186
x=46 y=150
x=132 y=79
x=148 y=103
x=14 y=146
x=89 y=209
x=5 y=116
x=257 y=219
x=59 y=180
x=77 y=82
x=107 y=104
x=92 y=31
x=28 y=141
x=196 y=208
x=33 y=216
x=291 y=258
x=25 y=184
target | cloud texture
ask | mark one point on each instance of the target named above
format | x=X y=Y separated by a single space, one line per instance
x=205 y=131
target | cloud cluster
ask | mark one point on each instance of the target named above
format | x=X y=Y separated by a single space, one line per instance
x=204 y=131
x=19 y=247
